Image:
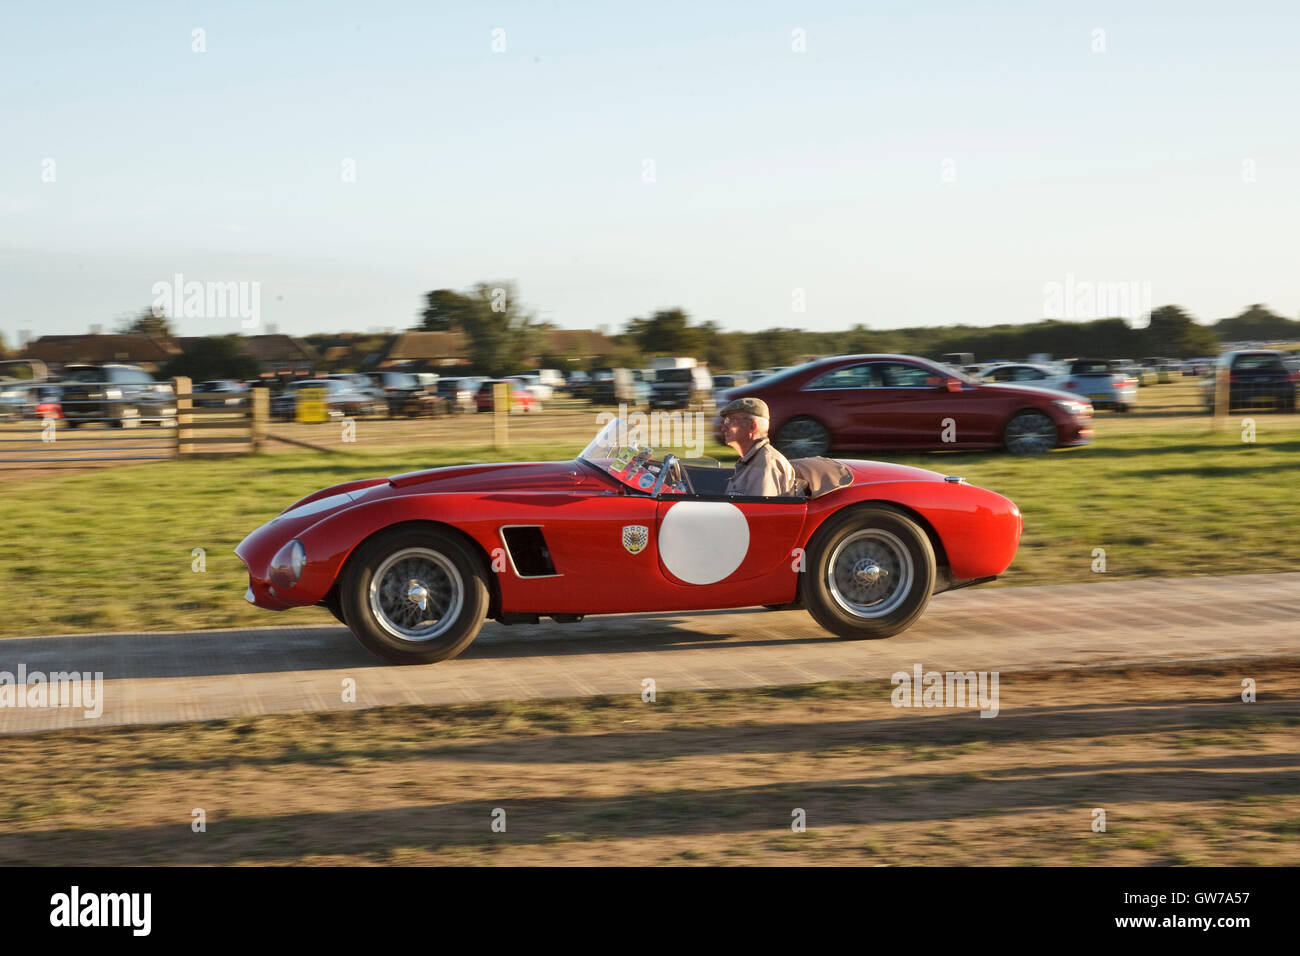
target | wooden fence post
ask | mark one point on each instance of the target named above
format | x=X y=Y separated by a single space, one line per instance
x=184 y=415
x=1222 y=396
x=259 y=415
x=500 y=415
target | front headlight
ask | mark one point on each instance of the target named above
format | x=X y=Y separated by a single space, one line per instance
x=288 y=564
x=113 y=393
x=1074 y=408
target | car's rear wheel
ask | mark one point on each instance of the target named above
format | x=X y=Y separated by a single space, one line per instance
x=803 y=437
x=1029 y=433
x=414 y=595
x=870 y=573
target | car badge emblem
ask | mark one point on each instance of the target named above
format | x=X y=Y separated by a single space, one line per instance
x=635 y=537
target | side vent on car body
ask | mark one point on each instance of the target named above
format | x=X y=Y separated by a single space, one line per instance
x=528 y=551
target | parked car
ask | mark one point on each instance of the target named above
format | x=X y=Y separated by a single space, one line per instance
x=25 y=399
x=1095 y=380
x=121 y=396
x=458 y=394
x=579 y=384
x=365 y=385
x=1256 y=377
x=1163 y=370
x=905 y=403
x=549 y=377
x=408 y=562
x=521 y=399
x=1043 y=376
x=533 y=382
x=219 y=393
x=343 y=399
x=602 y=389
x=404 y=395
x=688 y=388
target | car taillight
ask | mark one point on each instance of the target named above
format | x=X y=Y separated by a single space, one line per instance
x=1070 y=384
x=1232 y=380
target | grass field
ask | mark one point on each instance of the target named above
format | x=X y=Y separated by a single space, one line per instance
x=1185 y=772
x=114 y=548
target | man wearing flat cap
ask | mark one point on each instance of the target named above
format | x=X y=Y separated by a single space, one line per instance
x=762 y=470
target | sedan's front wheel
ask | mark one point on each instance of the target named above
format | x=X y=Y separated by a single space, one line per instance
x=414 y=595
x=870 y=573
x=803 y=437
x=1029 y=433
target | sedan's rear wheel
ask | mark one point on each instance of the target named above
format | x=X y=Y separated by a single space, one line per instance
x=870 y=573
x=414 y=596
x=1029 y=433
x=803 y=437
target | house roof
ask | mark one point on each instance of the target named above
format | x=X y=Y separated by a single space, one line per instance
x=428 y=345
x=416 y=346
x=67 y=349
x=277 y=348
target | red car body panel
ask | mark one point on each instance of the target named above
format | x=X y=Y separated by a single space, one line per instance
x=583 y=514
x=909 y=419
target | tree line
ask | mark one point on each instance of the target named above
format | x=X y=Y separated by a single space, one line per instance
x=503 y=337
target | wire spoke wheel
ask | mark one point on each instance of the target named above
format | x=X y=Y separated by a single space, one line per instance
x=416 y=594
x=870 y=573
x=871 y=570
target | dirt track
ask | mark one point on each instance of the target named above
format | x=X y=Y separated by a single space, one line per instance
x=155 y=678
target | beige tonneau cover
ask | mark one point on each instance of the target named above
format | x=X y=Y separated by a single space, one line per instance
x=821 y=476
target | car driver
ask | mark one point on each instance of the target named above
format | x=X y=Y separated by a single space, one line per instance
x=762 y=470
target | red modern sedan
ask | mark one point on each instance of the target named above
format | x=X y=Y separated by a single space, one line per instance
x=905 y=403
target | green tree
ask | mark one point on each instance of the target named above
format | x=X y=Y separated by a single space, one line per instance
x=501 y=334
x=147 y=323
x=667 y=332
x=214 y=356
x=1257 y=323
x=445 y=310
x=1173 y=333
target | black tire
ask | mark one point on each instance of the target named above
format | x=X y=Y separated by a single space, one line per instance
x=1029 y=433
x=450 y=572
x=331 y=603
x=858 y=541
x=803 y=437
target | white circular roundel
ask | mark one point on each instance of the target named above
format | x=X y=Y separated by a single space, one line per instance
x=702 y=542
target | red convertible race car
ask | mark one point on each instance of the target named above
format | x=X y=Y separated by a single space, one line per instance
x=413 y=564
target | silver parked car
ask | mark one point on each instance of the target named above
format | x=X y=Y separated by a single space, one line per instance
x=1095 y=380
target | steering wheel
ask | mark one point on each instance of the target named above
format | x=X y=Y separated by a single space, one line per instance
x=683 y=477
x=681 y=480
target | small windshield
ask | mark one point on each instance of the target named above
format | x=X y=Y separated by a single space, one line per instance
x=622 y=452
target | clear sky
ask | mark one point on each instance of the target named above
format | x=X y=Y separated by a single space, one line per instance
x=919 y=163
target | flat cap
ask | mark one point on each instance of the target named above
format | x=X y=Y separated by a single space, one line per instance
x=755 y=407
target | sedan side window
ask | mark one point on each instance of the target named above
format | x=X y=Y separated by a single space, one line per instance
x=850 y=376
x=902 y=375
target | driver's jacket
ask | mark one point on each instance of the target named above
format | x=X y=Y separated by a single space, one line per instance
x=762 y=471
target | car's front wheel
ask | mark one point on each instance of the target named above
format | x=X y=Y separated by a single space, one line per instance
x=1029 y=433
x=803 y=437
x=870 y=573
x=414 y=595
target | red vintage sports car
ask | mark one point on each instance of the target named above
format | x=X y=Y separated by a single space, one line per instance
x=413 y=564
